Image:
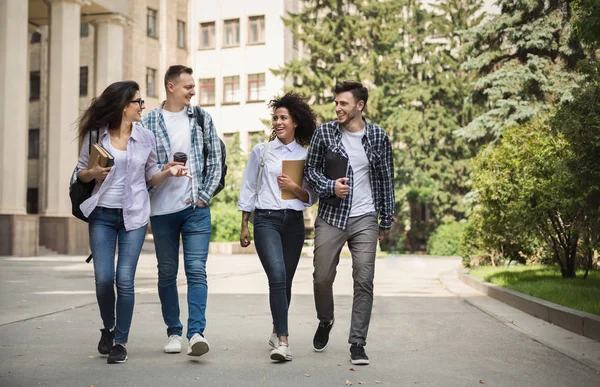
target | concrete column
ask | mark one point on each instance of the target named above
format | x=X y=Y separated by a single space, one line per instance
x=18 y=231
x=14 y=94
x=109 y=49
x=59 y=230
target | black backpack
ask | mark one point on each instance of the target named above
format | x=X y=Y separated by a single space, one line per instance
x=200 y=119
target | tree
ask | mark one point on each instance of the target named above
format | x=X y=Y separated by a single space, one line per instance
x=426 y=108
x=525 y=60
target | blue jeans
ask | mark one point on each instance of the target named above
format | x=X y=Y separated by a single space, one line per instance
x=106 y=228
x=279 y=237
x=193 y=224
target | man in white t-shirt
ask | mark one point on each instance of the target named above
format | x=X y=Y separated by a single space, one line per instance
x=362 y=214
x=179 y=207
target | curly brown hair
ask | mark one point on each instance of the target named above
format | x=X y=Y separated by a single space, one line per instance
x=300 y=112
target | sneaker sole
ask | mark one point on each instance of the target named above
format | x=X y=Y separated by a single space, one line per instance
x=172 y=351
x=360 y=362
x=320 y=350
x=118 y=361
x=279 y=357
x=199 y=349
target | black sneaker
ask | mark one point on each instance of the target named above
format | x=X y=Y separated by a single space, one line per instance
x=106 y=341
x=118 y=354
x=358 y=356
x=322 y=335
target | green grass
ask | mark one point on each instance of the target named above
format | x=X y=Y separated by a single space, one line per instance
x=545 y=282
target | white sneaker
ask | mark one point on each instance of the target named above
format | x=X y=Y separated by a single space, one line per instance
x=173 y=344
x=198 y=345
x=281 y=353
x=274 y=340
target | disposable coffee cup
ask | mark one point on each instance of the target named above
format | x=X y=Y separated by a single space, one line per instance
x=180 y=157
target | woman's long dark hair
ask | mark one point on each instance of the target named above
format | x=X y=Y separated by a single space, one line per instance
x=107 y=109
x=302 y=114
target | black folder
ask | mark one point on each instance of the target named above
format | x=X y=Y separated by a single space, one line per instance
x=336 y=166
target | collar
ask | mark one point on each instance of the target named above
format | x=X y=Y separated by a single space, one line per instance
x=190 y=109
x=135 y=131
x=276 y=143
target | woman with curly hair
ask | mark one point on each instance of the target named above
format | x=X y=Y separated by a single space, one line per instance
x=278 y=223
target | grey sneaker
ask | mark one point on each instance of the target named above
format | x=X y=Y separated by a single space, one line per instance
x=173 y=344
x=198 y=345
x=281 y=353
x=274 y=340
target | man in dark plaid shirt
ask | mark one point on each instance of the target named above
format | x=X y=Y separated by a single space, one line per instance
x=361 y=215
x=179 y=209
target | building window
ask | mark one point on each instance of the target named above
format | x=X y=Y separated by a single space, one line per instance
x=231 y=34
x=83 y=81
x=256 y=29
x=180 y=34
x=231 y=90
x=207 y=35
x=84 y=30
x=35 y=37
x=151 y=82
x=34 y=85
x=152 y=23
x=34 y=144
x=32 y=200
x=207 y=91
x=255 y=138
x=256 y=87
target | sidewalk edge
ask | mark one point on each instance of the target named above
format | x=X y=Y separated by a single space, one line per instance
x=582 y=323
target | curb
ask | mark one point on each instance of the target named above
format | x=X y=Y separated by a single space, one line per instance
x=582 y=323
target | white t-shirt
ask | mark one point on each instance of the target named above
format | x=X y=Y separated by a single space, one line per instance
x=113 y=196
x=362 y=199
x=175 y=193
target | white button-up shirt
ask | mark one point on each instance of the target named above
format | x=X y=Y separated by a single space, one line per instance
x=141 y=166
x=269 y=197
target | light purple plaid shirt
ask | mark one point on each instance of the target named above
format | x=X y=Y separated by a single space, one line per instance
x=141 y=166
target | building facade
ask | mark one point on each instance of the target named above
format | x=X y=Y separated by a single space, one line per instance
x=235 y=45
x=56 y=56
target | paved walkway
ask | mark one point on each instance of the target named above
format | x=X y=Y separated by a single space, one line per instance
x=423 y=333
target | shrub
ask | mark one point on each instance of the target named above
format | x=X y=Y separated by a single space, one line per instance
x=445 y=240
x=226 y=223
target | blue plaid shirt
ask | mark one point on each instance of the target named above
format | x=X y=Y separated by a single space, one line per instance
x=203 y=184
x=379 y=153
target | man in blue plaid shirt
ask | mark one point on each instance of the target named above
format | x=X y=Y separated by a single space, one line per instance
x=361 y=215
x=179 y=209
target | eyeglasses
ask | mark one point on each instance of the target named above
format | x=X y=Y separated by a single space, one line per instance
x=139 y=101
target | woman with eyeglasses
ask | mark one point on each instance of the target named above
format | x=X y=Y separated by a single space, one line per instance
x=119 y=208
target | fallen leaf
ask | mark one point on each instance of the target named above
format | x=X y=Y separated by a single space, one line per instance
x=362 y=383
x=482 y=381
x=38 y=328
x=348 y=383
x=352 y=369
x=307 y=375
x=225 y=349
x=197 y=378
x=91 y=357
x=378 y=382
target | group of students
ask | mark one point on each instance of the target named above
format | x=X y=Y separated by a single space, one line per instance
x=177 y=206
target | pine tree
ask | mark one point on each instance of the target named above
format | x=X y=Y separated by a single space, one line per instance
x=525 y=59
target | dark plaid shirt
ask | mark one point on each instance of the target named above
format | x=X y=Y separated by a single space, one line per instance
x=379 y=153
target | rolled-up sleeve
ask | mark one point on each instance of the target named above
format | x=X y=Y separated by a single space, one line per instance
x=248 y=187
x=151 y=164
x=312 y=195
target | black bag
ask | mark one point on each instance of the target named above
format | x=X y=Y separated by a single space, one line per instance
x=80 y=191
x=200 y=120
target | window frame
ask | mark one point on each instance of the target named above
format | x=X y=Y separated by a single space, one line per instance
x=202 y=85
x=154 y=91
x=259 y=21
x=33 y=144
x=34 y=95
x=211 y=28
x=260 y=95
x=181 y=35
x=235 y=80
x=152 y=15
x=87 y=74
x=228 y=24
